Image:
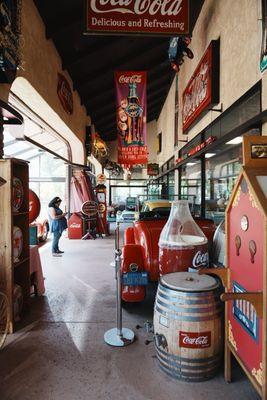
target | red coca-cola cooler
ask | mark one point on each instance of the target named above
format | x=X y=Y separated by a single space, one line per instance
x=75 y=226
x=182 y=244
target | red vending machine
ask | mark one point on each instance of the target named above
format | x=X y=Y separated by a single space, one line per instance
x=245 y=277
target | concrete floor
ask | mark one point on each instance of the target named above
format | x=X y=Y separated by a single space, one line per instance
x=60 y=354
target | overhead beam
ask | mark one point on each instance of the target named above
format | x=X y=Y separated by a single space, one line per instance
x=109 y=95
x=109 y=112
x=56 y=31
x=88 y=58
x=143 y=59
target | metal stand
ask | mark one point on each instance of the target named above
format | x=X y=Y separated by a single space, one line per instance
x=118 y=337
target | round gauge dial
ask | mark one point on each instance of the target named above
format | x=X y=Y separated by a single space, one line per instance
x=244 y=223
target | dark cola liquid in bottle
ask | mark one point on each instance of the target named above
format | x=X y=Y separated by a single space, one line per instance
x=182 y=244
x=134 y=112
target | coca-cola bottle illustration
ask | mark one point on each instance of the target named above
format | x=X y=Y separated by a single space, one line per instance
x=182 y=244
x=134 y=112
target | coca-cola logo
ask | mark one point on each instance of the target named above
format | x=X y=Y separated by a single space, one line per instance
x=75 y=225
x=197 y=91
x=130 y=79
x=200 y=260
x=65 y=94
x=138 y=7
x=195 y=340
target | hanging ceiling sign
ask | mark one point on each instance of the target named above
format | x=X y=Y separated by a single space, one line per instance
x=65 y=94
x=131 y=114
x=202 y=91
x=153 y=17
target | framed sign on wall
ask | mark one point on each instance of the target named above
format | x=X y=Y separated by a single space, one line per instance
x=202 y=91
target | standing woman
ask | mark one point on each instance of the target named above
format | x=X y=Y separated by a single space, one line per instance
x=58 y=224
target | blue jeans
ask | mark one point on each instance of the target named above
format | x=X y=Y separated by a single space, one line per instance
x=56 y=237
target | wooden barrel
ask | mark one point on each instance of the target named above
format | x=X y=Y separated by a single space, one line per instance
x=188 y=326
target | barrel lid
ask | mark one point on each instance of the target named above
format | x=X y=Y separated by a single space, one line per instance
x=189 y=282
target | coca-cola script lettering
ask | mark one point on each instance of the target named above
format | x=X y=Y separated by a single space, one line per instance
x=202 y=90
x=65 y=94
x=75 y=225
x=156 y=17
x=195 y=340
x=130 y=79
x=200 y=260
x=139 y=7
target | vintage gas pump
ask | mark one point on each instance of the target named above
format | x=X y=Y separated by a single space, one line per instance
x=101 y=196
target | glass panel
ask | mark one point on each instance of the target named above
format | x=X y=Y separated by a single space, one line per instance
x=238 y=115
x=119 y=194
x=171 y=186
x=12 y=149
x=34 y=167
x=191 y=185
x=262 y=181
x=221 y=173
x=165 y=167
x=48 y=190
x=154 y=191
x=52 y=167
x=171 y=163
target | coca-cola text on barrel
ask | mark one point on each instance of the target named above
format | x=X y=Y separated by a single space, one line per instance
x=195 y=340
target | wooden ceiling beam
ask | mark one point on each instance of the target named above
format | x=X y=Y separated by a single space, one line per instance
x=109 y=111
x=56 y=31
x=140 y=60
x=109 y=95
x=91 y=55
x=110 y=129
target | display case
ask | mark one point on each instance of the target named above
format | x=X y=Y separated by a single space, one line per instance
x=14 y=237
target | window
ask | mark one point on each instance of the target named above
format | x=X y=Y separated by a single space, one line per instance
x=222 y=171
x=171 y=185
x=190 y=187
x=159 y=143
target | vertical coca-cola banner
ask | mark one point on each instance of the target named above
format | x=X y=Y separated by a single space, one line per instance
x=131 y=117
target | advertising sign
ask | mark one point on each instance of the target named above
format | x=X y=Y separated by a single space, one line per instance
x=152 y=169
x=153 y=17
x=65 y=94
x=195 y=340
x=202 y=91
x=131 y=117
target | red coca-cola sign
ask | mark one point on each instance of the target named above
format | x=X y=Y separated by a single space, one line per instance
x=165 y=17
x=202 y=91
x=195 y=340
x=65 y=94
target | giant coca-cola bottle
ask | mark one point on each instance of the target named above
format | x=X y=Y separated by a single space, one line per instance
x=134 y=112
x=182 y=244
